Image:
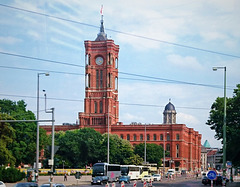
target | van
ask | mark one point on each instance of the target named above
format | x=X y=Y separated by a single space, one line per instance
x=172 y=171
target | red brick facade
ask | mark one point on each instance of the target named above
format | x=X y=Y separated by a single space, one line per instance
x=101 y=106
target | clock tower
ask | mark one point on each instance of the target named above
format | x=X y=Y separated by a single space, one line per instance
x=101 y=105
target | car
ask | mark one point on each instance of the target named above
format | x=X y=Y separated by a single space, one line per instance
x=147 y=178
x=157 y=177
x=53 y=185
x=99 y=180
x=206 y=180
x=2 y=184
x=26 y=184
x=124 y=178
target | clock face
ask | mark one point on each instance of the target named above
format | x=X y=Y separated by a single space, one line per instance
x=99 y=60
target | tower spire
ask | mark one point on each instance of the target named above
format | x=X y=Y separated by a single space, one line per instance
x=101 y=36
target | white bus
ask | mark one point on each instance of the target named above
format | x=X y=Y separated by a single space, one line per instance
x=110 y=171
x=132 y=171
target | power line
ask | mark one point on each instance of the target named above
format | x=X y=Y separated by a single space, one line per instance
x=155 y=79
x=78 y=100
x=125 y=33
x=40 y=59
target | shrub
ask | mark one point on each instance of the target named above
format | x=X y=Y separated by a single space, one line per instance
x=11 y=175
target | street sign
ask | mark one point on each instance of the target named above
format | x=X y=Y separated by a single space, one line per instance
x=212 y=175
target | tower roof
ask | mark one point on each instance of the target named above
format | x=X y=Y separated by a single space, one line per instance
x=206 y=144
x=169 y=106
x=101 y=35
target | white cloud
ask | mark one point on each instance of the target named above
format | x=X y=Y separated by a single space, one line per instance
x=128 y=118
x=187 y=62
x=188 y=119
x=9 y=40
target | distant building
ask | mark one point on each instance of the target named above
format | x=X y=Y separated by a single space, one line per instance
x=204 y=165
x=101 y=110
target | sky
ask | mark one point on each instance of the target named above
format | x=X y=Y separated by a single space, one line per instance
x=167 y=51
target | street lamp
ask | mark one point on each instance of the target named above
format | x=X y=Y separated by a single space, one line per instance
x=164 y=153
x=145 y=146
x=224 y=119
x=37 y=152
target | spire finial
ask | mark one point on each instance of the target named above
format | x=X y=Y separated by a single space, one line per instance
x=169 y=100
x=101 y=36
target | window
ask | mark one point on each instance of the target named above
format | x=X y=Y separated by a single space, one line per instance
x=135 y=137
x=168 y=147
x=116 y=63
x=116 y=83
x=95 y=106
x=101 y=107
x=161 y=137
x=87 y=80
x=177 y=150
x=148 y=137
x=97 y=77
x=121 y=136
x=168 y=137
x=86 y=59
x=101 y=78
x=154 y=137
x=128 y=137
x=141 y=137
x=109 y=80
x=177 y=137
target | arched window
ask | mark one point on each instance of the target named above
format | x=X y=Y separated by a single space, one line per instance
x=109 y=80
x=116 y=83
x=86 y=59
x=154 y=137
x=116 y=63
x=161 y=137
x=135 y=137
x=97 y=78
x=95 y=106
x=141 y=137
x=101 y=78
x=177 y=150
x=168 y=137
x=87 y=80
x=101 y=107
x=177 y=137
x=148 y=137
x=128 y=137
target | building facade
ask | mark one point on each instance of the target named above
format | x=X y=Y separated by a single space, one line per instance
x=101 y=110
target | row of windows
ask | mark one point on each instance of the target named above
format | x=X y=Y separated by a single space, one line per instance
x=110 y=60
x=99 y=80
x=148 y=137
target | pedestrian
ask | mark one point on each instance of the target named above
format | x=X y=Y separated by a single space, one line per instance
x=65 y=177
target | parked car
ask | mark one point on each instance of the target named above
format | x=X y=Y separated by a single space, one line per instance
x=53 y=185
x=147 y=178
x=124 y=178
x=26 y=184
x=99 y=180
x=2 y=184
x=157 y=177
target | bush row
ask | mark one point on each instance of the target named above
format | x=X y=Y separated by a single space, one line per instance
x=11 y=175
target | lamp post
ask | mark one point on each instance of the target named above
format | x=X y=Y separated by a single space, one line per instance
x=108 y=147
x=145 y=146
x=224 y=118
x=164 y=153
x=37 y=152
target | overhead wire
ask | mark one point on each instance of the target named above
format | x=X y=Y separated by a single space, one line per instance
x=122 y=32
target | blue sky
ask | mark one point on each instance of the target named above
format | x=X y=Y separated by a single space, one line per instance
x=146 y=32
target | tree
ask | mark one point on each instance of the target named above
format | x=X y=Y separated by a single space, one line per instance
x=7 y=134
x=23 y=146
x=215 y=122
x=154 y=152
x=79 y=147
x=120 y=149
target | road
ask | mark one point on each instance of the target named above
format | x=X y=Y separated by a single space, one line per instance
x=85 y=181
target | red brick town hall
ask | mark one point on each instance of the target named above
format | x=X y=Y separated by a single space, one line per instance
x=101 y=108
